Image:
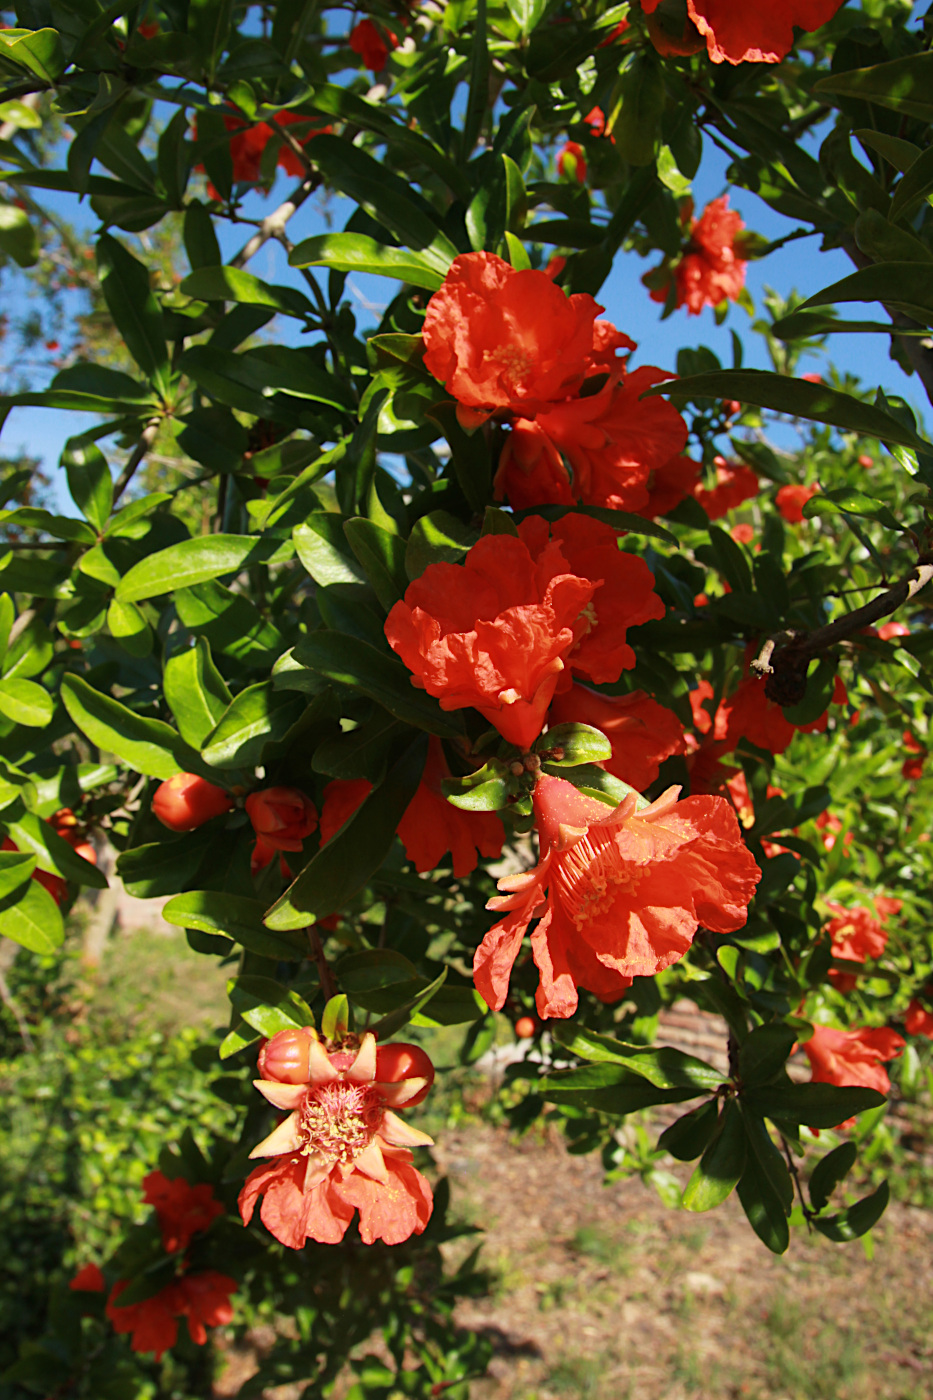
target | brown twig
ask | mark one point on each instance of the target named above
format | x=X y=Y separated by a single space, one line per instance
x=328 y=984
x=792 y=1168
x=273 y=226
x=147 y=438
x=784 y=663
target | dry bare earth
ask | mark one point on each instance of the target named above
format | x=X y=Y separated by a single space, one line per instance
x=605 y=1294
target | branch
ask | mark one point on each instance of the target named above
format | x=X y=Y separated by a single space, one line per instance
x=147 y=438
x=274 y=225
x=328 y=984
x=783 y=660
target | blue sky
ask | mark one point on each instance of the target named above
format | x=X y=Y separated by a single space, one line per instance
x=800 y=265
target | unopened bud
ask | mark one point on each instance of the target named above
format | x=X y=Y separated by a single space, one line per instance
x=187 y=801
x=404 y=1061
x=532 y=762
x=287 y=1056
x=516 y=769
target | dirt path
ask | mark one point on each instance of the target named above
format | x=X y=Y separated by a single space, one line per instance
x=603 y=1293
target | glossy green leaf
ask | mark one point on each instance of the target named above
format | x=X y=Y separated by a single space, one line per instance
x=195 y=691
x=25 y=702
x=18 y=238
x=795 y=396
x=267 y=1006
x=194 y=561
x=720 y=1168
x=38 y=50
x=908 y=285
x=221 y=283
x=147 y=745
x=902 y=85
x=763 y=1207
x=851 y=1224
x=354 y=663
x=764 y=1054
x=357 y=252
x=392 y=1023
x=663 y=1066
x=15 y=869
x=358 y=849
x=125 y=284
x=159 y=868
x=255 y=718
x=576 y=743
x=690 y=1135
x=815 y=1105
x=29 y=916
x=829 y=1172
x=238 y=918
x=381 y=556
x=89 y=481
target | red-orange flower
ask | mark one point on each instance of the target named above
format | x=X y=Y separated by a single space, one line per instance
x=203 y=1298
x=853 y=1057
x=642 y=732
x=432 y=826
x=735 y=483
x=571 y=162
x=501 y=338
x=830 y=825
x=856 y=936
x=889 y=630
x=341 y=1149
x=668 y=485
x=912 y=768
x=790 y=501
x=711 y=268
x=183 y=1210
x=372 y=44
x=88 y=1280
x=249 y=142
x=918 y=1021
x=619 y=893
x=739 y=33
x=502 y=631
x=281 y=817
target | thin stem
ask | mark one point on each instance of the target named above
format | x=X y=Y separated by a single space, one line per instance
x=328 y=983
x=274 y=225
x=147 y=438
x=792 y=1168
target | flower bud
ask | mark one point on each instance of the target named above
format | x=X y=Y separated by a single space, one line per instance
x=287 y=1056
x=282 y=817
x=186 y=802
x=525 y=1027
x=404 y=1061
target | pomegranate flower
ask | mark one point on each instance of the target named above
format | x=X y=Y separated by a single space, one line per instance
x=735 y=483
x=790 y=501
x=918 y=1021
x=853 y=1057
x=187 y=801
x=500 y=338
x=202 y=1298
x=619 y=893
x=856 y=936
x=183 y=1210
x=501 y=631
x=342 y=1148
x=372 y=44
x=281 y=817
x=711 y=269
x=737 y=33
x=642 y=732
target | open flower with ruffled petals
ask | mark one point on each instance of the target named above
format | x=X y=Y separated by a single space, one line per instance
x=612 y=441
x=856 y=936
x=182 y=1209
x=853 y=1057
x=711 y=268
x=918 y=1020
x=342 y=1148
x=735 y=483
x=373 y=44
x=741 y=33
x=501 y=338
x=791 y=499
x=203 y=1298
x=281 y=817
x=618 y=893
x=668 y=485
x=501 y=631
x=642 y=732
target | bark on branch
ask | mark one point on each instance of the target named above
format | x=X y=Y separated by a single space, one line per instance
x=274 y=225
x=784 y=660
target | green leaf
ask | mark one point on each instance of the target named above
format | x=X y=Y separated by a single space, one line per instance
x=662 y=1066
x=344 y=865
x=208 y=31
x=437 y=538
x=361 y=753
x=815 y=1105
x=238 y=918
x=158 y=869
x=212 y=283
x=581 y=743
x=795 y=396
x=349 y=661
x=125 y=284
x=637 y=128
x=200 y=239
x=829 y=1171
x=357 y=252
x=721 y=1167
x=851 y=1224
x=527 y=14
x=18 y=238
x=401 y=1015
x=15 y=869
x=239 y=1038
x=39 y=50
x=25 y=702
x=469 y=454
x=255 y=718
x=382 y=557
x=618 y=519
x=608 y=1088
x=336 y=1018
x=129 y=625
x=267 y=1006
x=147 y=745
x=907 y=285
x=764 y=1054
x=902 y=85
x=31 y=918
x=762 y=1206
x=849 y=500
x=690 y=1135
x=89 y=481
x=323 y=549
x=196 y=692
x=490 y=796
x=194 y=561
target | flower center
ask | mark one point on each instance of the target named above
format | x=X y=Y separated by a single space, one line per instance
x=514 y=362
x=591 y=876
x=337 y=1121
